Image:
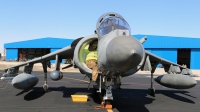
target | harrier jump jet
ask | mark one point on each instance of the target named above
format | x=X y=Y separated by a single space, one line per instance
x=119 y=55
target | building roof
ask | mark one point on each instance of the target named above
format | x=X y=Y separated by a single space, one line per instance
x=155 y=41
x=48 y=42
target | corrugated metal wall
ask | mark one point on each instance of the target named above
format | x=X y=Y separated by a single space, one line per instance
x=169 y=41
x=195 y=59
x=169 y=54
x=166 y=47
x=11 y=54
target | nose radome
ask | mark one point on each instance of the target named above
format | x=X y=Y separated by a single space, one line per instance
x=124 y=53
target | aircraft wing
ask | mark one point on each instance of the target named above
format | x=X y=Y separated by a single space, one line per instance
x=64 y=53
x=155 y=59
x=152 y=61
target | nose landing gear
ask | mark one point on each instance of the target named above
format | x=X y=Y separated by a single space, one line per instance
x=106 y=93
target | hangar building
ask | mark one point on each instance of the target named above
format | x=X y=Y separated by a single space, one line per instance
x=29 y=49
x=181 y=50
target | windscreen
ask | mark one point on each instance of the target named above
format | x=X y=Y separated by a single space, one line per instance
x=111 y=24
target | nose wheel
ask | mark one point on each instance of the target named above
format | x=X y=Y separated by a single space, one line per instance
x=105 y=104
x=108 y=102
x=107 y=98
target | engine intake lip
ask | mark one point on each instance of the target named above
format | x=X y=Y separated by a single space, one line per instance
x=79 y=56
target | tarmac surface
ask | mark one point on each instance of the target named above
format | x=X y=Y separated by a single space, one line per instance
x=132 y=97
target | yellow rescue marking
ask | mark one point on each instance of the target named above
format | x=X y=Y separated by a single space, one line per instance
x=109 y=110
x=77 y=79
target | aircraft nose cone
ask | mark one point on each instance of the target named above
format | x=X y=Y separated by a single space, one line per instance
x=124 y=53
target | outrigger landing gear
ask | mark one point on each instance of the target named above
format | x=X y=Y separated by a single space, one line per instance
x=45 y=86
x=152 y=89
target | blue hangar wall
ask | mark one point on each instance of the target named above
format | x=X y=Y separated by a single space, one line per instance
x=167 y=47
x=53 y=44
x=173 y=48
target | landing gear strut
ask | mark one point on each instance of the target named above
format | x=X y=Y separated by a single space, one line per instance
x=152 y=89
x=45 y=86
x=108 y=93
x=108 y=97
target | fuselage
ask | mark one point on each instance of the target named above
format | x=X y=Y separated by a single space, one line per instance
x=118 y=51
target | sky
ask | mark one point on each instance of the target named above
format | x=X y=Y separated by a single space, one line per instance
x=32 y=19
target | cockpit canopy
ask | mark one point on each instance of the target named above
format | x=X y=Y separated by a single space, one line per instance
x=112 y=23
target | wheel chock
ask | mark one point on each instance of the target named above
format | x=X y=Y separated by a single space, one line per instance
x=106 y=106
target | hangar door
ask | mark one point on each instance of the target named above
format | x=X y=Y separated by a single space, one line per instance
x=25 y=54
x=184 y=57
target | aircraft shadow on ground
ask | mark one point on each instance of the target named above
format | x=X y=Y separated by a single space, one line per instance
x=128 y=100
x=173 y=94
x=32 y=94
